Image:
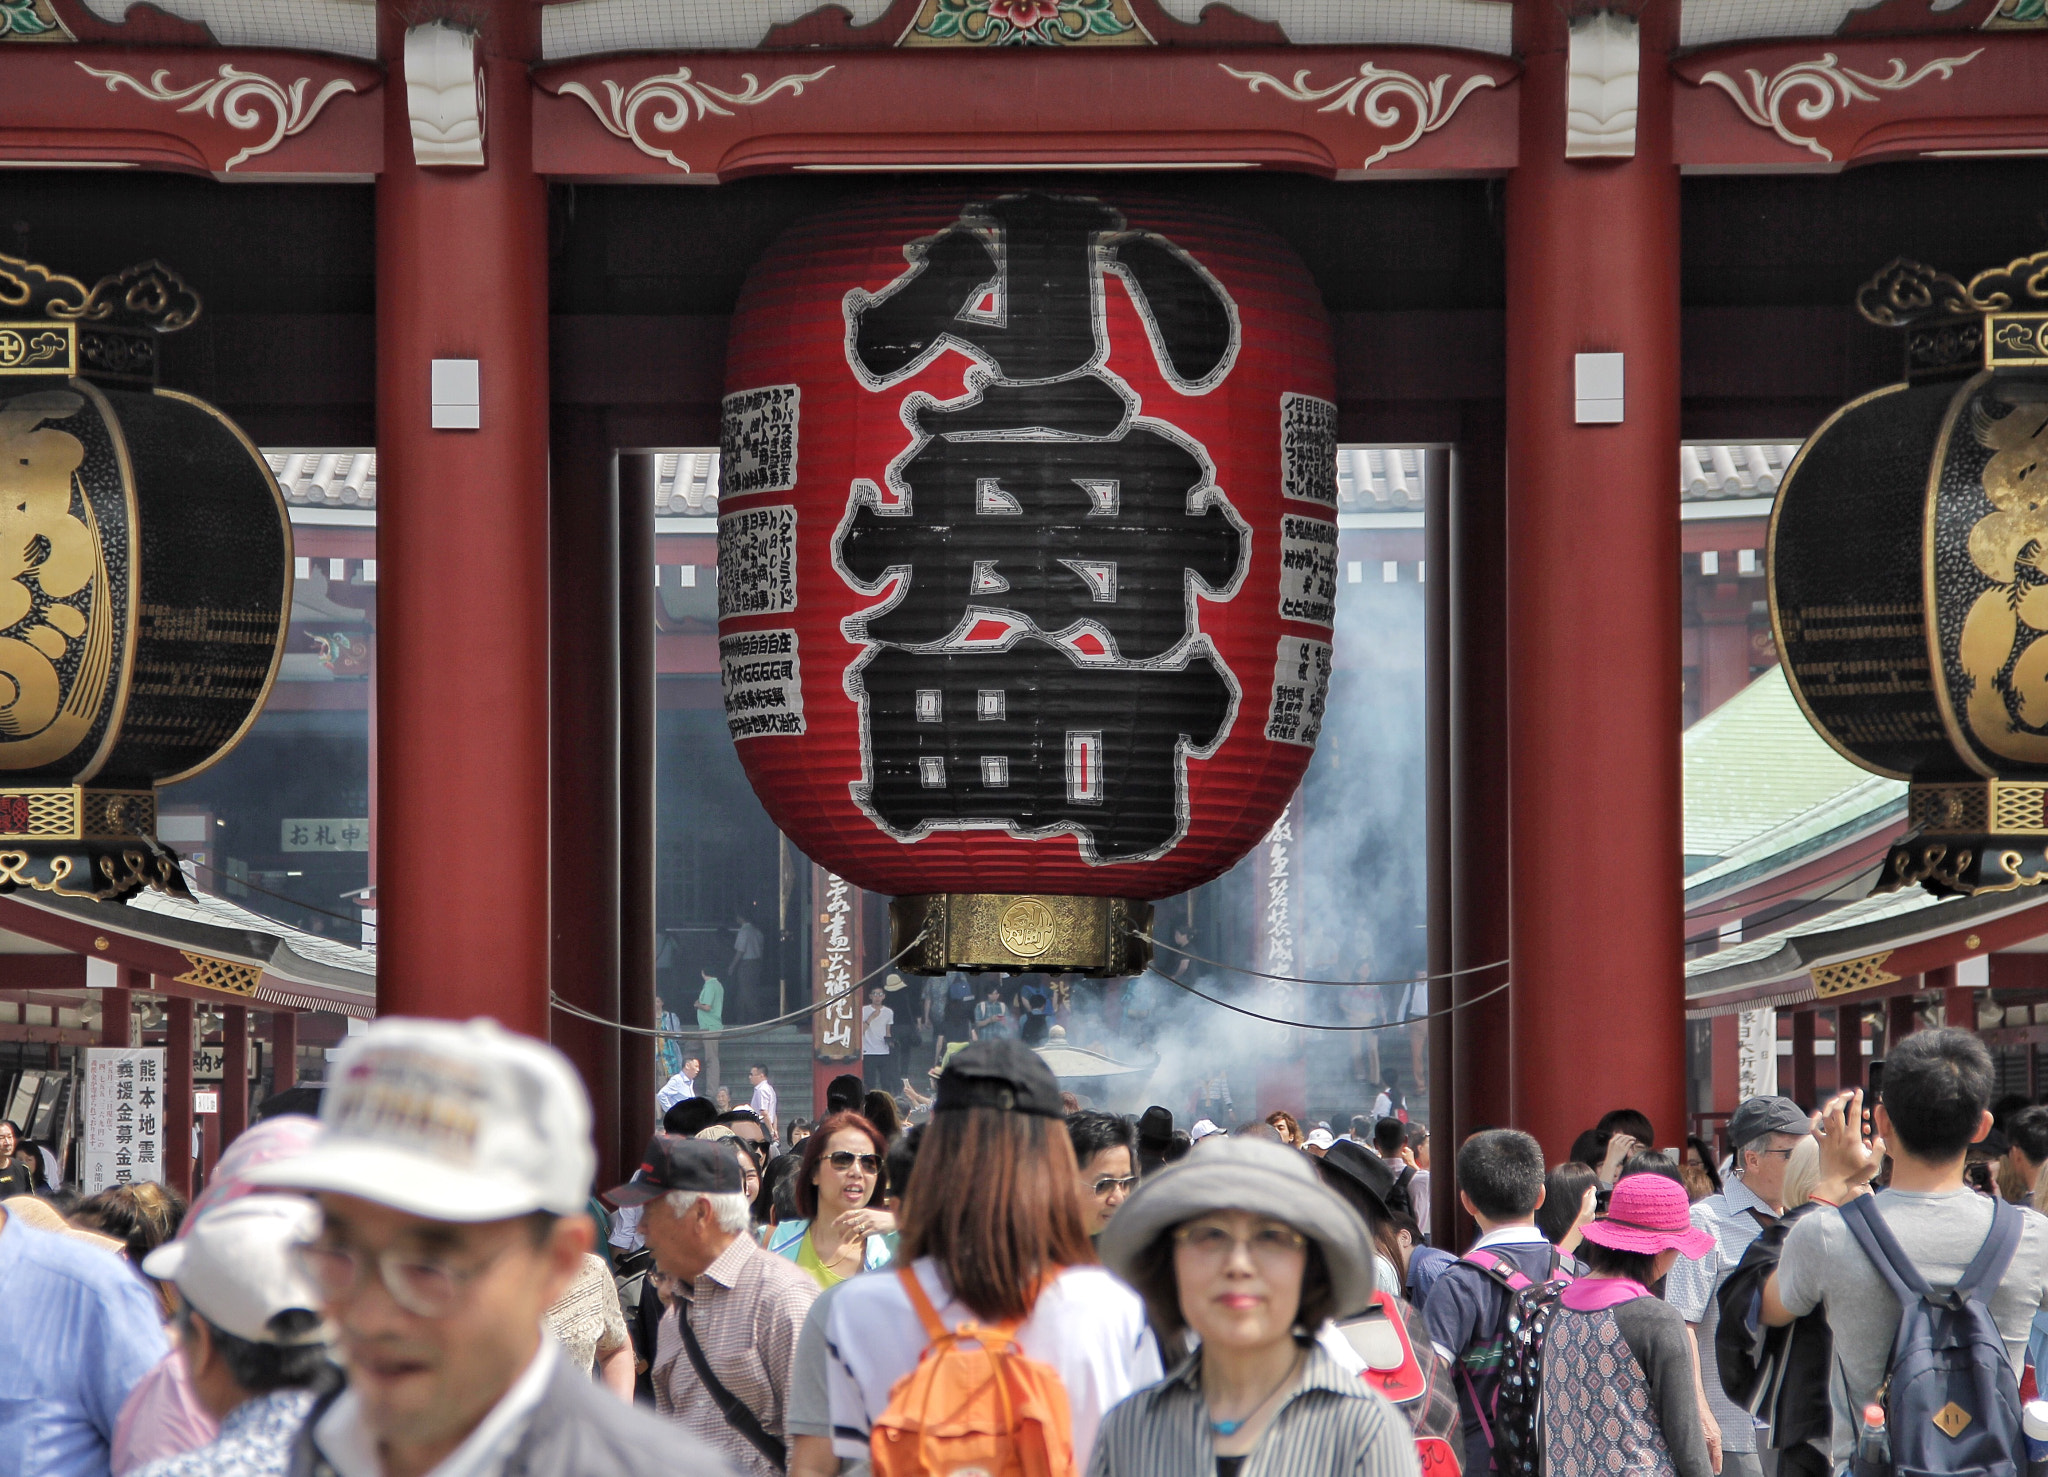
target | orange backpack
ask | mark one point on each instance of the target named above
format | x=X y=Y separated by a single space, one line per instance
x=973 y=1407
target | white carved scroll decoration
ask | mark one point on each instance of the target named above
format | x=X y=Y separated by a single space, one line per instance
x=1815 y=89
x=238 y=98
x=1376 y=94
x=685 y=99
x=444 y=97
x=1600 y=88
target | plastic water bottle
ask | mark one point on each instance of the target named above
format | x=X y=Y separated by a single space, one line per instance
x=2034 y=1423
x=1873 y=1448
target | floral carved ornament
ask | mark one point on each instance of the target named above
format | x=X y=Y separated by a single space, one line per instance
x=246 y=101
x=1381 y=96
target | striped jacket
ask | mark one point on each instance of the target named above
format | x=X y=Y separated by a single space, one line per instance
x=1330 y=1425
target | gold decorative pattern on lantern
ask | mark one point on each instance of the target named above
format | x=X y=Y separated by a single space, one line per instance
x=1011 y=932
x=39 y=348
x=1994 y=807
x=74 y=813
x=219 y=974
x=1851 y=975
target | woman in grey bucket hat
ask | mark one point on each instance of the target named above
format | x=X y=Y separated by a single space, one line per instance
x=1242 y=1246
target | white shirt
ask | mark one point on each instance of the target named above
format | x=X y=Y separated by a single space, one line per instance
x=674 y=1091
x=1087 y=1325
x=875 y=1022
x=1382 y=1106
x=746 y=941
x=351 y=1448
x=763 y=1103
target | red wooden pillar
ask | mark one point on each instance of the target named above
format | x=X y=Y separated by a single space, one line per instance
x=234 y=1073
x=284 y=1050
x=1901 y=1019
x=117 y=1009
x=1726 y=1057
x=1593 y=605
x=1848 y=1048
x=638 y=1080
x=178 y=1094
x=1805 y=1091
x=1724 y=643
x=585 y=848
x=462 y=700
x=1958 y=1002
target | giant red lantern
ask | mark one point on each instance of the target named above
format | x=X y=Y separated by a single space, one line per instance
x=1027 y=558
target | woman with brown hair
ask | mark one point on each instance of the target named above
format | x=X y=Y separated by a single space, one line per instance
x=992 y=1231
x=839 y=1230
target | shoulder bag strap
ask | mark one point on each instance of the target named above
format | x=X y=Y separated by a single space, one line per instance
x=729 y=1405
x=2003 y=1239
x=921 y=1305
x=1884 y=1251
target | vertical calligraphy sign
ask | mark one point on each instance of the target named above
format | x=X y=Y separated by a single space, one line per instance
x=1277 y=894
x=836 y=953
x=124 y=1118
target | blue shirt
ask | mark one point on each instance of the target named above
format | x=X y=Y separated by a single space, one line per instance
x=80 y=1331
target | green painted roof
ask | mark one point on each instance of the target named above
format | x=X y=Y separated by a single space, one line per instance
x=1759 y=781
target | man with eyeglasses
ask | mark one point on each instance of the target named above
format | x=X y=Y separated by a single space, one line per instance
x=723 y=1354
x=453 y=1162
x=1763 y=1132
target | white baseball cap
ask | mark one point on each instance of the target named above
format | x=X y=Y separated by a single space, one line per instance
x=235 y=1267
x=452 y=1121
x=1202 y=1130
x=1320 y=1139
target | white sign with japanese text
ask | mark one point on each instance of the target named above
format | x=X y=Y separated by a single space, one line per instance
x=328 y=833
x=124 y=1117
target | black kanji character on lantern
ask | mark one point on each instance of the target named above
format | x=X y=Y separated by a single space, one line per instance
x=1040 y=504
x=1018 y=283
x=1027 y=739
x=1058 y=532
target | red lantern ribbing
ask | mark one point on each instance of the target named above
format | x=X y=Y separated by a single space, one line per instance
x=1027 y=558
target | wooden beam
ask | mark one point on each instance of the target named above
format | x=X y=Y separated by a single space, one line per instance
x=54 y=1035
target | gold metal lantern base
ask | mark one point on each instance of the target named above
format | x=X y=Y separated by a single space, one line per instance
x=1971 y=836
x=1018 y=932
x=79 y=841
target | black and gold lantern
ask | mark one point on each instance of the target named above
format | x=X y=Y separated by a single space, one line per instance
x=1909 y=575
x=145 y=580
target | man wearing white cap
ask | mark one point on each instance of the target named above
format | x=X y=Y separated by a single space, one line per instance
x=450 y=1170
x=248 y=1330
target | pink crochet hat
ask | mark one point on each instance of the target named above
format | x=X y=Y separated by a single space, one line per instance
x=1649 y=1213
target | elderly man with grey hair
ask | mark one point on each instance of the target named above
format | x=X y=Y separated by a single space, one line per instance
x=722 y=1359
x=1763 y=1133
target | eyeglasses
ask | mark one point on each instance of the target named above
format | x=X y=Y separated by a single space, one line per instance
x=843 y=1160
x=1268 y=1244
x=427 y=1287
x=1111 y=1182
x=1765 y=1153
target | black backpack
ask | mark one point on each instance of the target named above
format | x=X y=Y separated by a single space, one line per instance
x=1951 y=1403
x=1515 y=1431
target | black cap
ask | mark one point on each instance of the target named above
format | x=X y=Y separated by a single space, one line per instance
x=999 y=1074
x=673 y=1162
x=1155 y=1126
x=1363 y=1168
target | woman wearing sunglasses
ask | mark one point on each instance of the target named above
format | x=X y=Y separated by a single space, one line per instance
x=1240 y=1244
x=839 y=1231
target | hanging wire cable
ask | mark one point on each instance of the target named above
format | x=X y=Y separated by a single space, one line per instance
x=1274 y=1020
x=281 y=897
x=747 y=1030
x=1288 y=979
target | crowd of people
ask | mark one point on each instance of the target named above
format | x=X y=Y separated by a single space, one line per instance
x=998 y=1281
